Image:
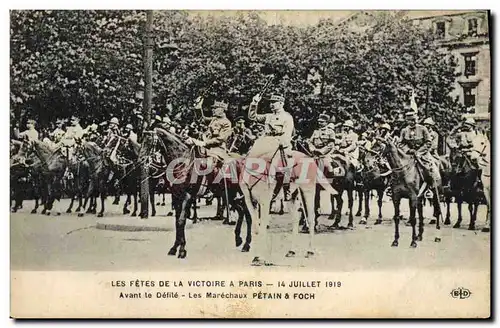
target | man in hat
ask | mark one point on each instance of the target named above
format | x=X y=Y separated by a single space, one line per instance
x=463 y=140
x=347 y=146
x=417 y=140
x=73 y=135
x=113 y=131
x=278 y=128
x=218 y=131
x=58 y=133
x=241 y=138
x=322 y=141
x=31 y=134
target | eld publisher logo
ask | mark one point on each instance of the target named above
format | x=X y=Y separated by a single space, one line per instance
x=461 y=293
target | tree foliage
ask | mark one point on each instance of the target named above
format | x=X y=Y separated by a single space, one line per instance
x=90 y=63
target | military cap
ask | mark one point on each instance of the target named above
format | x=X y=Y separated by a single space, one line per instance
x=220 y=104
x=279 y=98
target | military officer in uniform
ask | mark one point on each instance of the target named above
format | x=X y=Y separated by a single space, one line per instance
x=73 y=135
x=218 y=131
x=322 y=141
x=31 y=134
x=58 y=133
x=130 y=134
x=242 y=138
x=278 y=128
x=417 y=140
x=348 y=144
x=463 y=140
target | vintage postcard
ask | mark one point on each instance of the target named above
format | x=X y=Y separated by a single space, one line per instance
x=250 y=164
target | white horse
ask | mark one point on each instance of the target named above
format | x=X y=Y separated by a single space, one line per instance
x=482 y=151
x=260 y=185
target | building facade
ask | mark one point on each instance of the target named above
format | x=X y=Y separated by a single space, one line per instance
x=464 y=34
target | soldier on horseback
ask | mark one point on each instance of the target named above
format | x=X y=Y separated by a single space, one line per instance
x=463 y=141
x=57 y=135
x=31 y=133
x=417 y=140
x=347 y=145
x=322 y=141
x=278 y=127
x=73 y=135
x=214 y=140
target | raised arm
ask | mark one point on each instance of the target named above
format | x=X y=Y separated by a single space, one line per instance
x=252 y=110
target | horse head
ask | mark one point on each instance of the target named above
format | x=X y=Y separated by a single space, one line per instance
x=169 y=145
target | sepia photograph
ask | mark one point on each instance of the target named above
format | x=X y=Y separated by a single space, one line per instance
x=250 y=164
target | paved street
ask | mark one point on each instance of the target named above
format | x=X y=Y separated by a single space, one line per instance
x=67 y=242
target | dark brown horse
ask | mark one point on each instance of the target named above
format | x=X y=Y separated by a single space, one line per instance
x=406 y=182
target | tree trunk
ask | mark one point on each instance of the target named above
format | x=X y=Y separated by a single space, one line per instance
x=146 y=111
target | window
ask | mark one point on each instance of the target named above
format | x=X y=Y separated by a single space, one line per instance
x=470 y=97
x=472 y=26
x=441 y=29
x=470 y=64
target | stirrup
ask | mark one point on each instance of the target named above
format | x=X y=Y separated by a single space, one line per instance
x=429 y=194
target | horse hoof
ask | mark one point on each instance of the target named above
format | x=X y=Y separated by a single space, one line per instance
x=69 y=211
x=172 y=251
x=182 y=254
x=170 y=213
x=437 y=239
x=309 y=254
x=447 y=222
x=281 y=212
x=116 y=202
x=100 y=215
x=158 y=204
x=485 y=230
x=358 y=214
x=290 y=254
x=162 y=204
x=377 y=222
x=225 y=222
x=350 y=225
x=419 y=238
x=126 y=212
x=44 y=211
x=80 y=215
x=457 y=225
x=33 y=211
x=14 y=210
x=413 y=244
x=153 y=213
x=432 y=221
x=133 y=214
x=362 y=222
x=238 y=241
x=472 y=227
x=395 y=243
x=304 y=229
x=245 y=248
x=58 y=213
x=257 y=261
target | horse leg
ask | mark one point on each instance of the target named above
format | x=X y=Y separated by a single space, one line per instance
x=366 y=196
x=472 y=211
x=126 y=203
x=70 y=207
x=420 y=209
x=338 y=212
x=380 y=201
x=350 y=204
x=152 y=197
x=163 y=199
x=459 y=201
x=134 y=194
x=103 y=198
x=180 y=225
x=237 y=230
x=360 y=203
x=35 y=209
x=448 y=202
x=413 y=202
x=397 y=217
